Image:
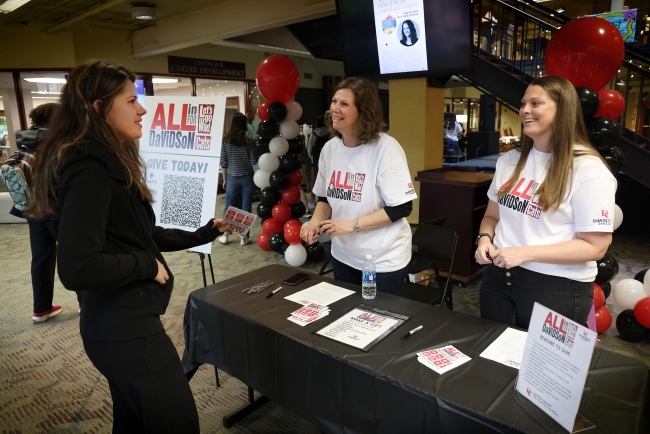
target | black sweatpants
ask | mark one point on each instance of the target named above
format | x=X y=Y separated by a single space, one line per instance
x=43 y=234
x=509 y=295
x=149 y=389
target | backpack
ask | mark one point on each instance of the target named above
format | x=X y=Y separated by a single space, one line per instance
x=17 y=175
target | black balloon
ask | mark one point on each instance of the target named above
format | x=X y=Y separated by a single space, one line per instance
x=640 y=275
x=629 y=328
x=315 y=252
x=607 y=269
x=264 y=211
x=607 y=289
x=268 y=129
x=296 y=146
x=277 y=242
x=589 y=102
x=269 y=196
x=279 y=179
x=290 y=162
x=298 y=210
x=615 y=159
x=603 y=133
x=262 y=147
x=277 y=111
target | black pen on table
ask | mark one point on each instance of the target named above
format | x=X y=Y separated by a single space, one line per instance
x=270 y=294
x=415 y=330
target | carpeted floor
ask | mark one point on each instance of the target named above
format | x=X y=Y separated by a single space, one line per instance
x=47 y=384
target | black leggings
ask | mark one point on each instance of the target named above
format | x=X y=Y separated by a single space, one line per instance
x=508 y=295
x=149 y=389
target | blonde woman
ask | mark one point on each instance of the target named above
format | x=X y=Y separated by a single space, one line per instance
x=549 y=213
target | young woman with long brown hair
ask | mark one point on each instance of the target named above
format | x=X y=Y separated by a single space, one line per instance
x=89 y=172
x=548 y=216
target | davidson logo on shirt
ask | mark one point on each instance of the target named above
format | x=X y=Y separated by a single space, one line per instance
x=604 y=219
x=346 y=186
x=522 y=198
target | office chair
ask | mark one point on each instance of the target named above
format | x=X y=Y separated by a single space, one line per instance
x=431 y=245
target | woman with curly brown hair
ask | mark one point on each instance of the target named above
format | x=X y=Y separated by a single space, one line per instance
x=364 y=189
x=89 y=172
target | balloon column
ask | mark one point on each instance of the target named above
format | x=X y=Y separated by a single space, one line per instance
x=588 y=52
x=279 y=175
x=634 y=296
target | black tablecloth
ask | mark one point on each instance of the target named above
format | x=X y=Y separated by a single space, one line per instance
x=342 y=389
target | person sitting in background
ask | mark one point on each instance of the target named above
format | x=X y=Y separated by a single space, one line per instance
x=453 y=131
x=238 y=157
x=365 y=191
x=546 y=222
x=90 y=172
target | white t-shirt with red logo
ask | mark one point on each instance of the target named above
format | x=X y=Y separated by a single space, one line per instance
x=359 y=181
x=588 y=207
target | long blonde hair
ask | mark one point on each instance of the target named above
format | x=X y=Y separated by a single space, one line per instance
x=568 y=130
x=75 y=122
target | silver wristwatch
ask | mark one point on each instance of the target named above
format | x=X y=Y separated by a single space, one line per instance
x=356 y=225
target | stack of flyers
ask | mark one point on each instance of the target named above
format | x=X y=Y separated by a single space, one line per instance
x=308 y=314
x=442 y=359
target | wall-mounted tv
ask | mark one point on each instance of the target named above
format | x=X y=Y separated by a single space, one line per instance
x=385 y=39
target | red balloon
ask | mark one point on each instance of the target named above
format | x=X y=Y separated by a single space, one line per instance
x=603 y=319
x=611 y=105
x=295 y=177
x=642 y=312
x=599 y=297
x=292 y=236
x=587 y=51
x=271 y=226
x=293 y=223
x=263 y=241
x=277 y=78
x=261 y=111
x=290 y=195
x=281 y=212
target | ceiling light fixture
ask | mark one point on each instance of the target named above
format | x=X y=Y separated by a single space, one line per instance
x=143 y=12
x=49 y=80
x=11 y=5
x=164 y=80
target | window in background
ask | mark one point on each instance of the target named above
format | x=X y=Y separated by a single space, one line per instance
x=39 y=88
x=7 y=100
x=233 y=91
x=171 y=86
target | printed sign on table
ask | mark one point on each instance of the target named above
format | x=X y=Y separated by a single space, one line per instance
x=555 y=364
x=181 y=146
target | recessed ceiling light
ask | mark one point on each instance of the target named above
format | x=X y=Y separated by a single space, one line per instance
x=11 y=5
x=143 y=12
x=45 y=80
x=164 y=80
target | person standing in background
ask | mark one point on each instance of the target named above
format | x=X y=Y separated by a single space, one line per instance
x=238 y=157
x=251 y=123
x=319 y=136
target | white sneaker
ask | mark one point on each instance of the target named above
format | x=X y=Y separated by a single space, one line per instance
x=245 y=241
x=223 y=239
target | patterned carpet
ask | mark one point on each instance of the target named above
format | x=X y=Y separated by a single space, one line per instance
x=47 y=384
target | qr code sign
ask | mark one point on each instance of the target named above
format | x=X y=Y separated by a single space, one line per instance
x=182 y=200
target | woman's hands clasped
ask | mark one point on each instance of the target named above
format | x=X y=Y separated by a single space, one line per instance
x=507 y=257
x=331 y=228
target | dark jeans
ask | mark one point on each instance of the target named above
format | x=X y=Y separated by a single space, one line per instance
x=451 y=147
x=239 y=189
x=43 y=234
x=386 y=282
x=149 y=389
x=508 y=295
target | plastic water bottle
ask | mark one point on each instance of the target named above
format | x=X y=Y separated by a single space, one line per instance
x=369 y=279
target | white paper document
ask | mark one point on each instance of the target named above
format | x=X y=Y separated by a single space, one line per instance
x=322 y=293
x=360 y=328
x=442 y=359
x=508 y=348
x=555 y=364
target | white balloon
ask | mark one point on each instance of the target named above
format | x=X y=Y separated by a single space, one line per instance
x=279 y=146
x=295 y=255
x=269 y=162
x=261 y=179
x=618 y=216
x=294 y=111
x=289 y=129
x=628 y=292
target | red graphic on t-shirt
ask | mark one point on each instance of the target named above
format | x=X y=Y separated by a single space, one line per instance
x=522 y=197
x=346 y=185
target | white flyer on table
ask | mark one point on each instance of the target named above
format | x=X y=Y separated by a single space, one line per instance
x=359 y=328
x=240 y=221
x=442 y=359
x=555 y=364
x=322 y=293
x=508 y=348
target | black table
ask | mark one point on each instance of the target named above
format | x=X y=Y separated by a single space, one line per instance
x=340 y=388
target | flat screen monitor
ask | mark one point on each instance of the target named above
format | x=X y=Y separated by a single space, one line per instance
x=385 y=39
